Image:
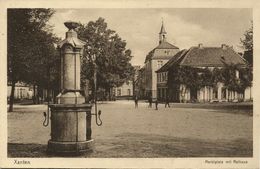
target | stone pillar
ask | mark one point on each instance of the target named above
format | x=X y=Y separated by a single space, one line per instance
x=68 y=118
x=226 y=94
x=219 y=92
x=70 y=49
x=211 y=94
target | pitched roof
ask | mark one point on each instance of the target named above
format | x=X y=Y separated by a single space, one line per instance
x=177 y=57
x=162 y=29
x=166 y=45
x=204 y=57
x=163 y=45
x=211 y=56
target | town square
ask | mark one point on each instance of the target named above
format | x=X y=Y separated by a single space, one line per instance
x=130 y=83
x=190 y=130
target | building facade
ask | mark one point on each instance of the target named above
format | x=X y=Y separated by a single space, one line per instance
x=22 y=91
x=155 y=59
x=203 y=58
x=124 y=91
x=129 y=88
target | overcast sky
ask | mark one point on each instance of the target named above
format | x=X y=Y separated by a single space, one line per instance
x=184 y=27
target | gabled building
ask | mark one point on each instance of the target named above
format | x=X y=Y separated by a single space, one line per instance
x=201 y=57
x=129 y=88
x=125 y=91
x=162 y=77
x=154 y=60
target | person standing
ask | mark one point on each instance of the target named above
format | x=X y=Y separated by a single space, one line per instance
x=150 y=102
x=167 y=102
x=136 y=102
x=156 y=104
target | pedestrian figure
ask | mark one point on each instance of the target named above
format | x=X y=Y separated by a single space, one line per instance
x=136 y=102
x=167 y=102
x=156 y=104
x=150 y=102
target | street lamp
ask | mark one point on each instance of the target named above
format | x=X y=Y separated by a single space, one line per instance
x=94 y=58
x=95 y=80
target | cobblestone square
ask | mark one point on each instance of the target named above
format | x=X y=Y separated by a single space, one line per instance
x=183 y=130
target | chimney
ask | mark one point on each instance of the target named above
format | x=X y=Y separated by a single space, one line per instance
x=224 y=46
x=200 y=45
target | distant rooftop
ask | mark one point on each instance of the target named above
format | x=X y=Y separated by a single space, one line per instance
x=163 y=45
x=205 y=57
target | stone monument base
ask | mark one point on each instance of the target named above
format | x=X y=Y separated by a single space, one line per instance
x=69 y=148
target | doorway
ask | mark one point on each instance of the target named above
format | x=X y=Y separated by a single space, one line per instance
x=193 y=95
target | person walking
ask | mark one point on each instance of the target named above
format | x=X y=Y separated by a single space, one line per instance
x=150 y=100
x=136 y=102
x=156 y=104
x=167 y=102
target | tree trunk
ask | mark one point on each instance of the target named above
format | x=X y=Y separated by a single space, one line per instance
x=134 y=93
x=37 y=94
x=34 y=97
x=86 y=91
x=48 y=86
x=48 y=95
x=109 y=94
x=11 y=103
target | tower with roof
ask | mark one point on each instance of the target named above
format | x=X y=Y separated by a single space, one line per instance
x=154 y=60
x=162 y=34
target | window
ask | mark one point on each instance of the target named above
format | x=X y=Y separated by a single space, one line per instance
x=129 y=92
x=163 y=76
x=223 y=93
x=167 y=52
x=215 y=93
x=160 y=63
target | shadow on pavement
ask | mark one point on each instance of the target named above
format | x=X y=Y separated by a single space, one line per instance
x=130 y=145
x=27 y=150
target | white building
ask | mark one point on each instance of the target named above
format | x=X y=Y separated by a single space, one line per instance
x=155 y=59
x=22 y=91
x=124 y=91
x=201 y=57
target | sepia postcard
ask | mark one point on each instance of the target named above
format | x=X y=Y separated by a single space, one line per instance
x=129 y=84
